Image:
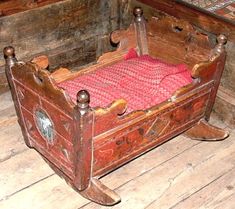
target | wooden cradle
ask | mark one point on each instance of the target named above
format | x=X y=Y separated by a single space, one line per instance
x=82 y=143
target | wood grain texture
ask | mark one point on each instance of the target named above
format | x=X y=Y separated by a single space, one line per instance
x=71 y=32
x=202 y=19
x=225 y=106
x=223 y=194
x=228 y=78
x=9 y=7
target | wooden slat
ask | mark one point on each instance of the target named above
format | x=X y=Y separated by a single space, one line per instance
x=7 y=117
x=199 y=175
x=218 y=194
x=225 y=106
x=9 y=7
x=3 y=82
x=49 y=193
x=6 y=102
x=201 y=18
x=11 y=142
x=20 y=171
x=71 y=32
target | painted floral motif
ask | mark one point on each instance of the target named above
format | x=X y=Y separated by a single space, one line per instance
x=45 y=126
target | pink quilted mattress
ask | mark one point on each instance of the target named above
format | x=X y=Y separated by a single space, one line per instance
x=141 y=80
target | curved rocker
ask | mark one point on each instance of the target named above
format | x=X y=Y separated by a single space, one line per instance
x=203 y=131
x=99 y=193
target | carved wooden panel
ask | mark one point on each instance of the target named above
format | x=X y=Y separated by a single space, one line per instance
x=139 y=136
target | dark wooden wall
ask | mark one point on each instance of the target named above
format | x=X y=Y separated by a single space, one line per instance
x=9 y=7
x=71 y=32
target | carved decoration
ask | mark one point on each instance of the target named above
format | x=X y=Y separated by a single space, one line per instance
x=159 y=126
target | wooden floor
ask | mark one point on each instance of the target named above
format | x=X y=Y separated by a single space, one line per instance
x=180 y=174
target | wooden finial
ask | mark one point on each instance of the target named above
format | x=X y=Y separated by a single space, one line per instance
x=138 y=13
x=222 y=40
x=83 y=100
x=9 y=55
x=219 y=48
x=9 y=51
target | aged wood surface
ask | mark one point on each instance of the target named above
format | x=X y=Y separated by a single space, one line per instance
x=229 y=72
x=225 y=106
x=202 y=19
x=9 y=7
x=71 y=32
x=179 y=174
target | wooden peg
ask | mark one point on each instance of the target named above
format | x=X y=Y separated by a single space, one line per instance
x=9 y=55
x=222 y=40
x=83 y=100
x=138 y=13
x=220 y=47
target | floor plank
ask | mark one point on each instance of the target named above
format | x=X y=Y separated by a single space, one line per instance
x=11 y=142
x=7 y=110
x=21 y=171
x=217 y=194
x=38 y=170
x=204 y=173
x=6 y=101
x=49 y=193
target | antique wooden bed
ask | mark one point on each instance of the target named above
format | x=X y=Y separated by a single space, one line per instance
x=88 y=123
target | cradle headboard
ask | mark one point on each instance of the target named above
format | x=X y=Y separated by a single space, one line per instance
x=168 y=38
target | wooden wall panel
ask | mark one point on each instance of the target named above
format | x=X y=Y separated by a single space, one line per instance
x=197 y=16
x=9 y=7
x=71 y=32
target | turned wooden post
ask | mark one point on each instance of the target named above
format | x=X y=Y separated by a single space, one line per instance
x=218 y=53
x=83 y=145
x=141 y=33
x=9 y=55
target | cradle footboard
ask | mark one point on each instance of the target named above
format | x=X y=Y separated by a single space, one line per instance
x=59 y=130
x=50 y=121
